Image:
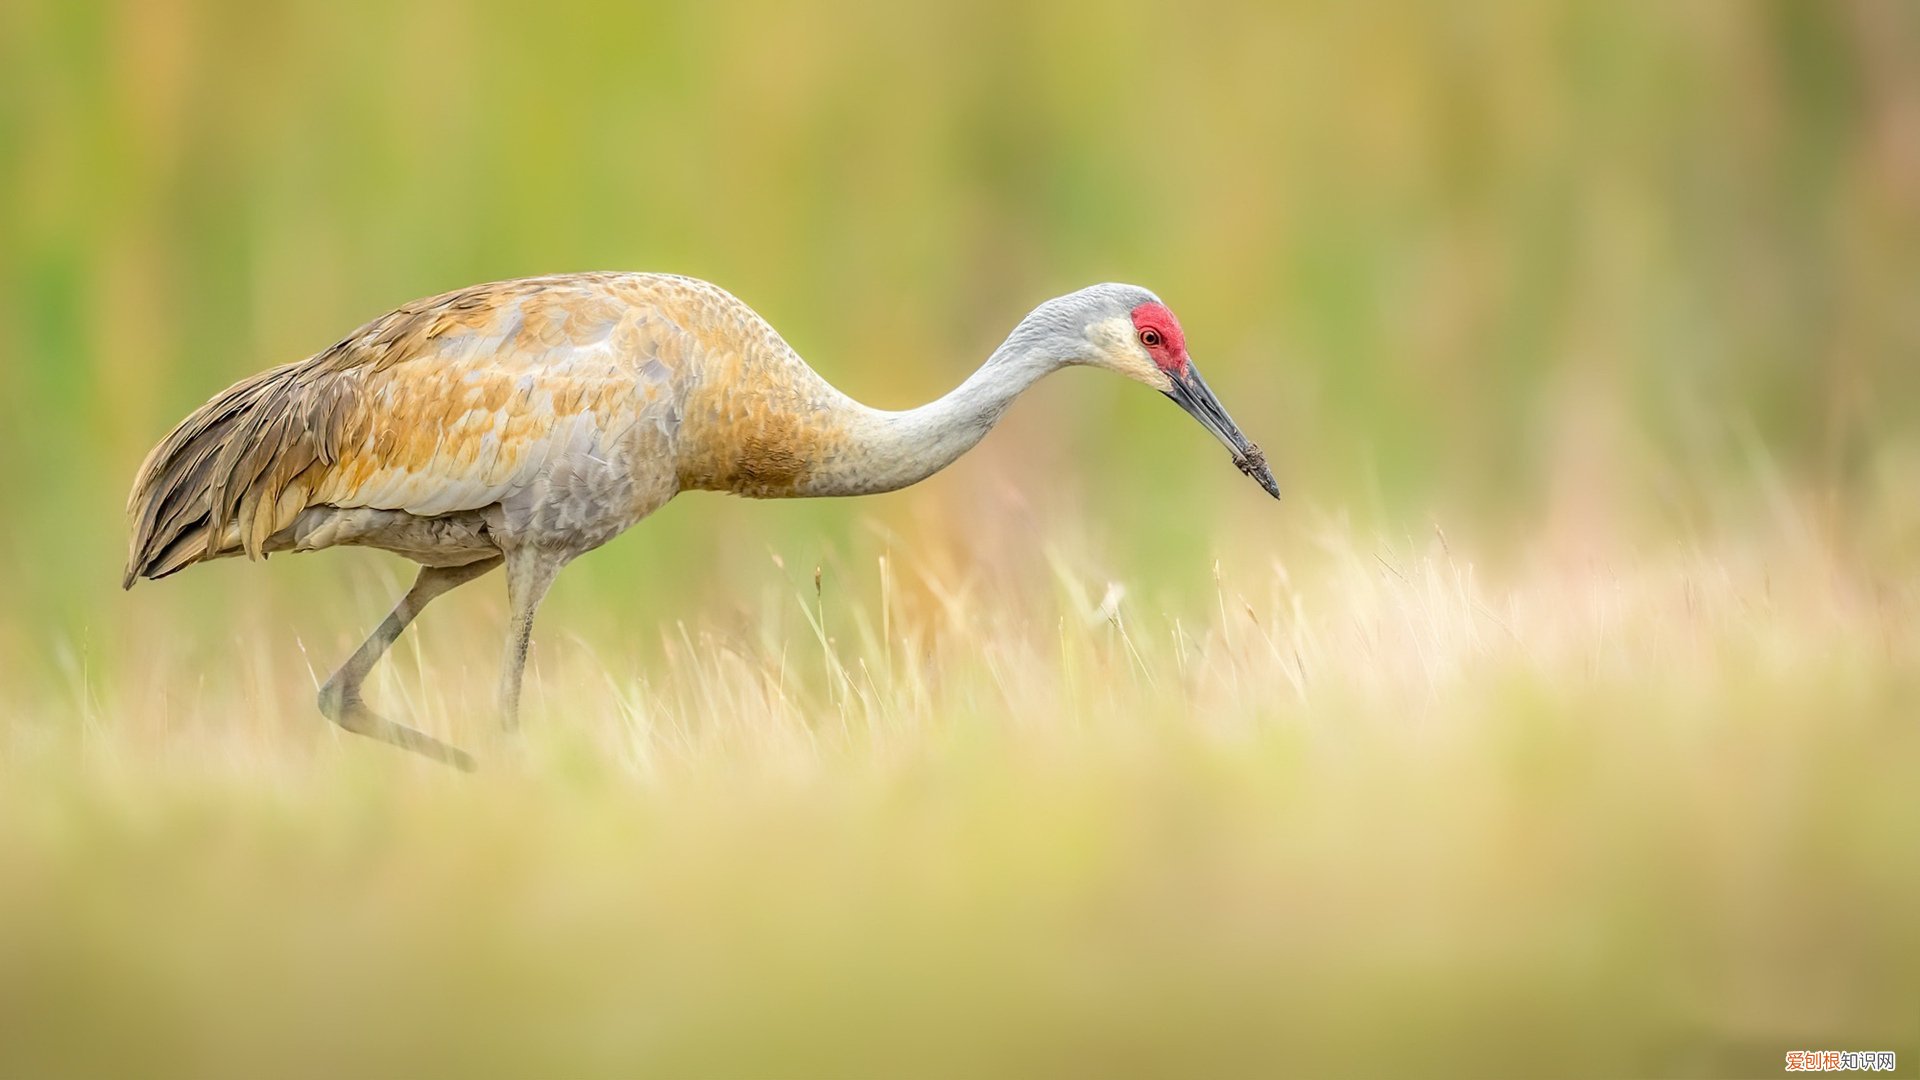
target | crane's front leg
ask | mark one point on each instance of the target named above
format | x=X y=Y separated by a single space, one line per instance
x=340 y=696
x=530 y=573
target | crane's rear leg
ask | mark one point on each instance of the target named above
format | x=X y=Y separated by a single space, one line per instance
x=340 y=696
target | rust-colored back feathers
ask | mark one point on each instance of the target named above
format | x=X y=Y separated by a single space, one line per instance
x=241 y=467
x=449 y=404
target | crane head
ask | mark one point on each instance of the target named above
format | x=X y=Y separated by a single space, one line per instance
x=1144 y=342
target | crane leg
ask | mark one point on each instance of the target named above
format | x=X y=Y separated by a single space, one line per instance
x=340 y=696
x=530 y=573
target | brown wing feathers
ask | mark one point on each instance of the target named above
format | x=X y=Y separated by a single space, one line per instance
x=221 y=480
x=240 y=467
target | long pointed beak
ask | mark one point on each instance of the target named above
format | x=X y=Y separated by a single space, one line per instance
x=1192 y=393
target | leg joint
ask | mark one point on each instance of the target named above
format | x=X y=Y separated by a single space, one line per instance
x=337 y=702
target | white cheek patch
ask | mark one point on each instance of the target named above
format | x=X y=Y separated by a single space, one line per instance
x=1152 y=375
x=1113 y=336
x=1121 y=352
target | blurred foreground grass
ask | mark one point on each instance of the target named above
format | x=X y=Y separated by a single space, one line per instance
x=1378 y=807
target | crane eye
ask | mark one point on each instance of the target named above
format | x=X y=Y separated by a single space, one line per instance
x=1149 y=337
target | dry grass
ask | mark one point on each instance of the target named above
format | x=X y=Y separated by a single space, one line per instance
x=1380 y=807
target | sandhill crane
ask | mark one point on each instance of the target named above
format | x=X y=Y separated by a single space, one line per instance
x=525 y=422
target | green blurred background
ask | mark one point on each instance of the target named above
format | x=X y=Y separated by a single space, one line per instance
x=1473 y=263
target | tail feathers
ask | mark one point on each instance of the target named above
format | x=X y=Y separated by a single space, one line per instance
x=234 y=472
x=190 y=548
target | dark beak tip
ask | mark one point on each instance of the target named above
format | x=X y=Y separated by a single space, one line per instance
x=1258 y=472
x=1191 y=393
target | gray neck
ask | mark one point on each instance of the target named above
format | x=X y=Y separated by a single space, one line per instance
x=890 y=450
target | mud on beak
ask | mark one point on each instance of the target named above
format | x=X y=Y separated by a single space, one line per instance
x=1192 y=393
